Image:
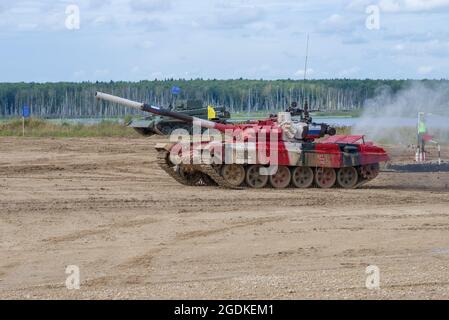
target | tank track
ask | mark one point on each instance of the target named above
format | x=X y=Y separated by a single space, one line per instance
x=211 y=174
x=163 y=160
x=361 y=183
x=164 y=163
x=363 y=179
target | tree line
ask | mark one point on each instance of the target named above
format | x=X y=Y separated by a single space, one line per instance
x=73 y=100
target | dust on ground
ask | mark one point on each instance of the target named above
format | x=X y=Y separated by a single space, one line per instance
x=105 y=206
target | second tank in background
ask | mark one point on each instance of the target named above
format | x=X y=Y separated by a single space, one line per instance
x=160 y=125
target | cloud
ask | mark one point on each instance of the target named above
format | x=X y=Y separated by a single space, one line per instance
x=300 y=73
x=355 y=38
x=424 y=70
x=26 y=6
x=102 y=20
x=229 y=17
x=338 y=24
x=27 y=26
x=151 y=24
x=395 y=6
x=335 y=24
x=80 y=74
x=243 y=35
x=145 y=44
x=98 y=4
x=32 y=16
x=350 y=72
x=150 y=5
x=398 y=47
x=416 y=36
x=433 y=48
x=351 y=29
x=101 y=73
x=359 y=5
x=400 y=6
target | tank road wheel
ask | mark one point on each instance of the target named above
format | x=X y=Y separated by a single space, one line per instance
x=193 y=176
x=370 y=171
x=233 y=174
x=302 y=177
x=347 y=177
x=281 y=179
x=254 y=179
x=325 y=178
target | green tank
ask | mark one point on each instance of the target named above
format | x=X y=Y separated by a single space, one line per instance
x=165 y=126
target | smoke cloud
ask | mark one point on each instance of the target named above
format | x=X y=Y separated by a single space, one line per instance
x=392 y=117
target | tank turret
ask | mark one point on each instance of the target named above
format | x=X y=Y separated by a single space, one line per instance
x=160 y=125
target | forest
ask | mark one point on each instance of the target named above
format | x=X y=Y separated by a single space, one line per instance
x=76 y=100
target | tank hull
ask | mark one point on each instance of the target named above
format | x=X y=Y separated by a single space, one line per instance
x=319 y=164
x=158 y=126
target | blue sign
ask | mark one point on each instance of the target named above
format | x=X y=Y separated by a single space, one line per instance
x=26 y=112
x=176 y=90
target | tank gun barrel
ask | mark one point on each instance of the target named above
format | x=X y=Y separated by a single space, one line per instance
x=162 y=112
x=120 y=101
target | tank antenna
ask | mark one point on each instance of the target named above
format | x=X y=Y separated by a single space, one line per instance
x=307 y=58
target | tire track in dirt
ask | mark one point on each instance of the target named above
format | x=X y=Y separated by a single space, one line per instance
x=7 y=170
x=205 y=233
x=144 y=262
x=101 y=229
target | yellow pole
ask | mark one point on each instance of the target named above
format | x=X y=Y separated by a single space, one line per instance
x=23 y=126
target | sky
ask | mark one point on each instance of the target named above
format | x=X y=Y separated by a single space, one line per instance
x=132 y=40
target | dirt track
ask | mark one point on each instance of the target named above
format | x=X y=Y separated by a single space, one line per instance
x=104 y=205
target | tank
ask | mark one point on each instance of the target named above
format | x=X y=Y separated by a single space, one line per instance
x=278 y=152
x=159 y=125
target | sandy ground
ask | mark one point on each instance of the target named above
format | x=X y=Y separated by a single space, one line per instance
x=105 y=206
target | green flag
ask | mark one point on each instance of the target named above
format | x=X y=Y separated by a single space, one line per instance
x=422 y=128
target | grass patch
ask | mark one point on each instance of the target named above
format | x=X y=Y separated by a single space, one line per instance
x=251 y=115
x=344 y=130
x=339 y=114
x=41 y=128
